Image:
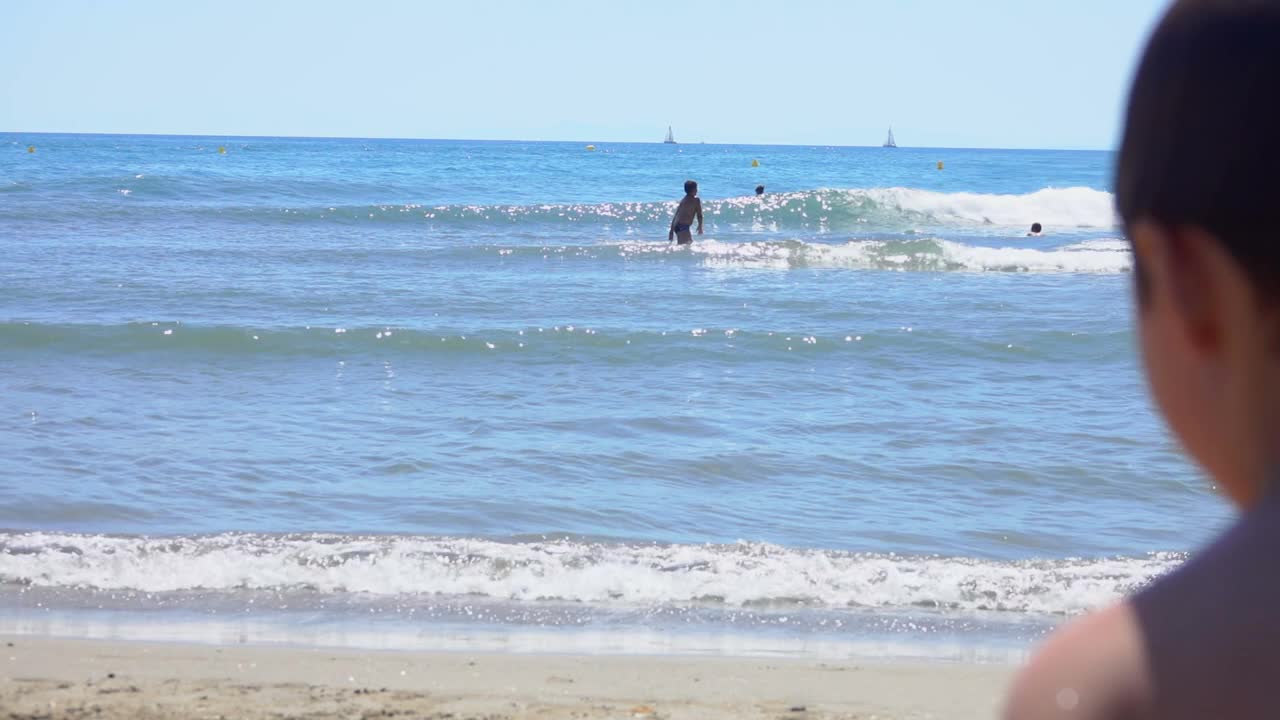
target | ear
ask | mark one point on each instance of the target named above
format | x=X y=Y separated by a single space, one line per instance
x=1185 y=274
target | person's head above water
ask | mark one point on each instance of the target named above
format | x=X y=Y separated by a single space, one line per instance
x=759 y=189
x=1036 y=229
x=690 y=187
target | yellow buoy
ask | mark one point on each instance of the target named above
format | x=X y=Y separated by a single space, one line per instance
x=591 y=147
x=755 y=163
x=939 y=164
x=222 y=149
x=31 y=148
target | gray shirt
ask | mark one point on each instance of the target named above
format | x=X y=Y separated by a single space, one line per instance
x=1211 y=629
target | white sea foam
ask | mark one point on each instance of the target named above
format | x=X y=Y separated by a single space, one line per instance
x=1106 y=256
x=743 y=574
x=1075 y=207
x=1109 y=244
x=971 y=257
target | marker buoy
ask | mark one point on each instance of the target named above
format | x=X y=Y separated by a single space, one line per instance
x=939 y=164
x=31 y=148
x=591 y=148
x=755 y=163
x=222 y=149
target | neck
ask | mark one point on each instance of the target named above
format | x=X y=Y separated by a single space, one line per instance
x=1256 y=470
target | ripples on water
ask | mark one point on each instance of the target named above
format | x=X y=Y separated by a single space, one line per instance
x=865 y=396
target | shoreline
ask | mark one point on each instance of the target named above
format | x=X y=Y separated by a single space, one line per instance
x=49 y=677
x=868 y=640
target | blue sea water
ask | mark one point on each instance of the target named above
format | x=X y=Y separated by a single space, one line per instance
x=468 y=387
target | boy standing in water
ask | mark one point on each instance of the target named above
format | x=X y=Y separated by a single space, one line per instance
x=689 y=208
x=1196 y=184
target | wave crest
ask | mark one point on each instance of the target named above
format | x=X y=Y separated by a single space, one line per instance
x=825 y=210
x=849 y=211
x=740 y=575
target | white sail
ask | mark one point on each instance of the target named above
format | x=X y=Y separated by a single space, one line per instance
x=671 y=139
x=889 y=141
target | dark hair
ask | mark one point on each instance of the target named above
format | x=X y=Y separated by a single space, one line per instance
x=1035 y=227
x=759 y=189
x=1202 y=135
x=690 y=186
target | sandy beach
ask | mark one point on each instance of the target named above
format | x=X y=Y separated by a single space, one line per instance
x=50 y=678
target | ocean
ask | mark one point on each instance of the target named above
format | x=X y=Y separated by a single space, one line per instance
x=451 y=394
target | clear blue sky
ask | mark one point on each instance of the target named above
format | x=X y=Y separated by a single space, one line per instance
x=951 y=73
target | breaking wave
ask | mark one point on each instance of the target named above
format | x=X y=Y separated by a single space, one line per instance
x=930 y=255
x=607 y=574
x=848 y=211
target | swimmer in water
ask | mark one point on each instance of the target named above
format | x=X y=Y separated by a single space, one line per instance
x=690 y=207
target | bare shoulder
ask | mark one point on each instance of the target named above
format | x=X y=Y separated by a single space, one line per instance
x=1093 y=669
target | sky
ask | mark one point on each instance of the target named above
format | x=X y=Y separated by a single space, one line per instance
x=943 y=73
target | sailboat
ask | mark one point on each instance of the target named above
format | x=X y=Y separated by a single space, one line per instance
x=671 y=139
x=889 y=141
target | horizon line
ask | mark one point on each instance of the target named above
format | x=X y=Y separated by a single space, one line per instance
x=525 y=140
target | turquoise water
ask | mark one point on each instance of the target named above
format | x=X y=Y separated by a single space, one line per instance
x=426 y=377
